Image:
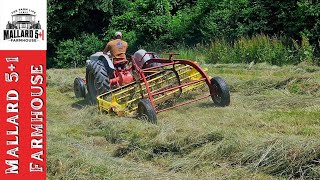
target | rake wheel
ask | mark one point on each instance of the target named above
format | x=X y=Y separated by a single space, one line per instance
x=220 y=93
x=146 y=111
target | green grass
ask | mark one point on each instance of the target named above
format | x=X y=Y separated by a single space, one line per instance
x=258 y=49
x=270 y=130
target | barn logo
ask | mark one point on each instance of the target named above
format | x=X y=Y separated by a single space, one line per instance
x=23 y=27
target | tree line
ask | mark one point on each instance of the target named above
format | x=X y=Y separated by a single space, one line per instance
x=79 y=28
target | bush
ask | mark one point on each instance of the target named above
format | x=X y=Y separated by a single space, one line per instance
x=261 y=48
x=219 y=52
x=75 y=52
x=304 y=51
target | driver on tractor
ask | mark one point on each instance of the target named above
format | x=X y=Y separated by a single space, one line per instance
x=117 y=47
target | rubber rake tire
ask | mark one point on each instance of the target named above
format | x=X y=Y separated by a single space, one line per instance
x=221 y=93
x=79 y=88
x=146 y=111
x=97 y=80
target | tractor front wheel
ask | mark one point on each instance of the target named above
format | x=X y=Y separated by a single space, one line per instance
x=97 y=80
x=146 y=111
x=79 y=88
x=220 y=93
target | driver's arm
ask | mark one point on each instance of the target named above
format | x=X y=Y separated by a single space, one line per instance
x=106 y=49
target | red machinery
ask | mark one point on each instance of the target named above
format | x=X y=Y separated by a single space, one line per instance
x=122 y=75
x=150 y=85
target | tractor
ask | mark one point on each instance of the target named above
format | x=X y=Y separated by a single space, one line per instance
x=147 y=84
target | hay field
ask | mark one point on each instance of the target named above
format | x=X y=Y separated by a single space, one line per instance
x=271 y=130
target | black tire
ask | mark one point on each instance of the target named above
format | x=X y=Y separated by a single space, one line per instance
x=146 y=111
x=220 y=94
x=79 y=88
x=97 y=80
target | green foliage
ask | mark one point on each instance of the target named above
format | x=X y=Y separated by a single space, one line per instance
x=145 y=20
x=166 y=24
x=309 y=19
x=261 y=48
x=305 y=51
x=74 y=53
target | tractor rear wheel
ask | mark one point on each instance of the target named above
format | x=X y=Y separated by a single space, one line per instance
x=146 y=111
x=220 y=94
x=79 y=88
x=97 y=80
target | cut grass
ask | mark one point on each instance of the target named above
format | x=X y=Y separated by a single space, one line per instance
x=270 y=130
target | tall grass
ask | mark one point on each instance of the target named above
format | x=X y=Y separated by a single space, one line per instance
x=261 y=48
x=197 y=53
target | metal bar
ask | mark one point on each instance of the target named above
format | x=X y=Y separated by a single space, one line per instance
x=176 y=87
x=150 y=71
x=126 y=90
x=132 y=100
x=182 y=104
x=148 y=90
x=156 y=67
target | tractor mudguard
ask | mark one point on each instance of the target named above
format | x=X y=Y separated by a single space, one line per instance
x=107 y=64
x=140 y=57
